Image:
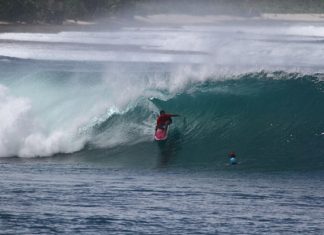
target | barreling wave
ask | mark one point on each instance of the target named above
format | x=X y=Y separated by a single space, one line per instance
x=97 y=94
x=268 y=119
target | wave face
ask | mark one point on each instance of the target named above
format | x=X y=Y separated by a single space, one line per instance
x=269 y=113
x=273 y=121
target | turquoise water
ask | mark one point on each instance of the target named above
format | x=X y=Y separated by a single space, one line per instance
x=271 y=120
x=77 y=116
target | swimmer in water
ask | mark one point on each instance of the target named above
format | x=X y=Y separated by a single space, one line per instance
x=232 y=158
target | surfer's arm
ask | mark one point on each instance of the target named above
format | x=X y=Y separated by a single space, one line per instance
x=174 y=115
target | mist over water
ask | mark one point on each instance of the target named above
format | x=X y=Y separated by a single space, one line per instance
x=254 y=46
x=71 y=91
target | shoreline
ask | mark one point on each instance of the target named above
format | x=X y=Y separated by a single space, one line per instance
x=173 y=20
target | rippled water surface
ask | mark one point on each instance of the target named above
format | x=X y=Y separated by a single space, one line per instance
x=40 y=197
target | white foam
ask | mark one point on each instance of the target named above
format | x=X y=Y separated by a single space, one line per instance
x=248 y=46
x=308 y=30
x=21 y=134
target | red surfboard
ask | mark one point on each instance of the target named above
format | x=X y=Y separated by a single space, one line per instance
x=161 y=134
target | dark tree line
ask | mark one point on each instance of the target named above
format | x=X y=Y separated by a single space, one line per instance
x=56 y=11
x=234 y=7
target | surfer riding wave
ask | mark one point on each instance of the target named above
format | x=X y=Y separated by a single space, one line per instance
x=164 y=120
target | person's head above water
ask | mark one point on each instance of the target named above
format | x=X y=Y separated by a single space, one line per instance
x=162 y=112
x=231 y=154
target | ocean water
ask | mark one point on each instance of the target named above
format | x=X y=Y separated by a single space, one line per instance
x=77 y=116
x=45 y=197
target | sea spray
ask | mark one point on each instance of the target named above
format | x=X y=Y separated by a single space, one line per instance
x=23 y=134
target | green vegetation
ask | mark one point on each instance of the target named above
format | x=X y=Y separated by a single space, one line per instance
x=56 y=11
x=233 y=7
